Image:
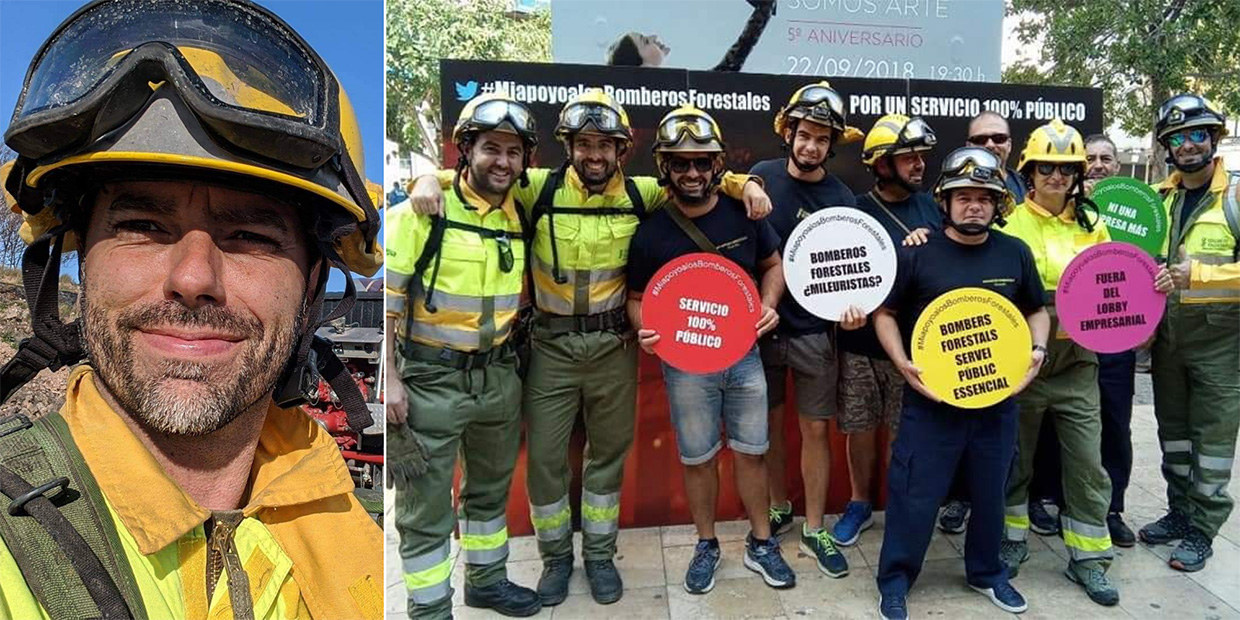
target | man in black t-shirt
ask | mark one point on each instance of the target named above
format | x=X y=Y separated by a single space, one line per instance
x=689 y=156
x=935 y=437
x=811 y=125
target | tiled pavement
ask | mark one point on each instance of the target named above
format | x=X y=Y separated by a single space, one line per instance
x=653 y=561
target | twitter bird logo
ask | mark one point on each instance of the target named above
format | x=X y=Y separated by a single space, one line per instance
x=466 y=91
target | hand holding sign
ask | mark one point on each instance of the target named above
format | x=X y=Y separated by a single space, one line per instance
x=1132 y=211
x=701 y=313
x=1107 y=300
x=836 y=258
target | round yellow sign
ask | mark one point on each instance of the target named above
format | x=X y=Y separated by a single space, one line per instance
x=972 y=346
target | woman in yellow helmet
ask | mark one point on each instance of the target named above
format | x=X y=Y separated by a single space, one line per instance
x=1058 y=222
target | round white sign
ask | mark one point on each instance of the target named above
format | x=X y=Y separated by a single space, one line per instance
x=839 y=257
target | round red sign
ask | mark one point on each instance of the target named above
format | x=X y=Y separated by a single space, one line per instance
x=705 y=309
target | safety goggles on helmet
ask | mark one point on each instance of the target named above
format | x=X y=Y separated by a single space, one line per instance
x=1185 y=111
x=496 y=113
x=673 y=130
x=244 y=73
x=1196 y=136
x=915 y=133
x=819 y=104
x=971 y=166
x=575 y=117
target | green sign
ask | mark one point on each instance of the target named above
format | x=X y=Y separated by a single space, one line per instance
x=1133 y=213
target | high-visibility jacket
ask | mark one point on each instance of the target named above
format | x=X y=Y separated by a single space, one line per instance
x=469 y=291
x=1209 y=240
x=1054 y=239
x=307 y=547
x=592 y=234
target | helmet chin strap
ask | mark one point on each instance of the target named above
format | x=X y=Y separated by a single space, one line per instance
x=895 y=177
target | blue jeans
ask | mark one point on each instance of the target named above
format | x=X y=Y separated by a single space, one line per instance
x=703 y=407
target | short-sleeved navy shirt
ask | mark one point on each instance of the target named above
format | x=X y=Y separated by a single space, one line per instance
x=1003 y=264
x=919 y=210
x=659 y=240
x=792 y=199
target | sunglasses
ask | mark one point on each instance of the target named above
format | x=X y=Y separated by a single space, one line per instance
x=1198 y=136
x=680 y=165
x=1067 y=170
x=981 y=140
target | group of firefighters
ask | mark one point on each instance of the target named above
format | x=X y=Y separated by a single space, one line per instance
x=461 y=282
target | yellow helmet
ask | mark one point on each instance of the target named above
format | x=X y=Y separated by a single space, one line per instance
x=820 y=104
x=894 y=134
x=116 y=89
x=594 y=111
x=1053 y=142
x=688 y=129
x=496 y=112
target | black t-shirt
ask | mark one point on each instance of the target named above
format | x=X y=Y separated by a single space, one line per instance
x=659 y=240
x=792 y=200
x=1003 y=264
x=917 y=211
x=1192 y=199
x=1015 y=185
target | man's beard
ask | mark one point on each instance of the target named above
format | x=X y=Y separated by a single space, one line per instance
x=225 y=390
x=806 y=166
x=482 y=181
x=609 y=170
x=692 y=200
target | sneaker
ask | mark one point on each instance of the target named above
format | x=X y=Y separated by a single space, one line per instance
x=553 y=584
x=892 y=607
x=1090 y=575
x=858 y=517
x=605 y=584
x=1172 y=526
x=700 y=578
x=505 y=598
x=1193 y=551
x=1121 y=535
x=1013 y=553
x=763 y=557
x=1005 y=597
x=954 y=517
x=818 y=545
x=781 y=518
x=1041 y=521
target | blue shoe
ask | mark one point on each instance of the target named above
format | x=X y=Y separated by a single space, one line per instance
x=818 y=545
x=892 y=607
x=954 y=517
x=764 y=558
x=1005 y=597
x=700 y=578
x=858 y=517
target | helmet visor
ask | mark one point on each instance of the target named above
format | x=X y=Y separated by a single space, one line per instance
x=915 y=133
x=238 y=55
x=820 y=104
x=700 y=129
x=1188 y=105
x=492 y=114
x=981 y=160
x=577 y=116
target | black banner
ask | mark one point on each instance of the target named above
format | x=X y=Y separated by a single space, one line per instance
x=745 y=104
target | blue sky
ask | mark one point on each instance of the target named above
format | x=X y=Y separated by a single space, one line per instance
x=348 y=34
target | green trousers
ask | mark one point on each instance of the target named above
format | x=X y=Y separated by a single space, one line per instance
x=594 y=375
x=476 y=414
x=1067 y=390
x=1196 y=375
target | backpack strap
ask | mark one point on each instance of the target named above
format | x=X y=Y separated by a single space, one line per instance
x=1231 y=211
x=692 y=230
x=635 y=197
x=57 y=526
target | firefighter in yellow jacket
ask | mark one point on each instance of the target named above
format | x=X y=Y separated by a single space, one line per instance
x=454 y=284
x=1057 y=222
x=583 y=359
x=1196 y=352
x=207 y=205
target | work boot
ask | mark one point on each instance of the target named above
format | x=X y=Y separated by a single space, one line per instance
x=553 y=584
x=1193 y=551
x=1172 y=526
x=1090 y=575
x=955 y=516
x=505 y=598
x=605 y=584
x=781 y=518
x=1041 y=521
x=1121 y=536
x=1013 y=553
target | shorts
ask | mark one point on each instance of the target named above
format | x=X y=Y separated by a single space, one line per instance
x=704 y=407
x=812 y=360
x=870 y=390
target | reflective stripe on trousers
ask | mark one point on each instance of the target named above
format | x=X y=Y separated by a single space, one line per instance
x=484 y=542
x=427 y=576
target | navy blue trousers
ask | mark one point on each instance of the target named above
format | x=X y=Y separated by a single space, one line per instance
x=933 y=441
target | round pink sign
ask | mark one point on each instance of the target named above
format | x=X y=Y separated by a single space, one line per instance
x=1106 y=299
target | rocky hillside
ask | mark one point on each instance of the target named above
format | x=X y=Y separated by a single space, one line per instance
x=44 y=393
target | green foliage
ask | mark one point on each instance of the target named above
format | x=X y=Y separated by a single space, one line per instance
x=1139 y=52
x=420 y=32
